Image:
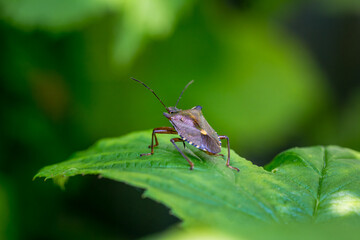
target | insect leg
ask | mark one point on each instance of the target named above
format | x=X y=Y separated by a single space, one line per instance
x=160 y=130
x=173 y=140
x=228 y=147
x=163 y=130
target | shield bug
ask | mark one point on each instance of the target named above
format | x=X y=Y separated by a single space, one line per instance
x=192 y=128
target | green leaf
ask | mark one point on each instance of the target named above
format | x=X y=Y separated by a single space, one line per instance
x=301 y=185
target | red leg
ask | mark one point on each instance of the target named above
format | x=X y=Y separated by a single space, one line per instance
x=160 y=130
x=228 y=147
x=173 y=140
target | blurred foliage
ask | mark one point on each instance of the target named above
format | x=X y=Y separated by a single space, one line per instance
x=54 y=15
x=138 y=20
x=271 y=75
x=8 y=227
x=336 y=6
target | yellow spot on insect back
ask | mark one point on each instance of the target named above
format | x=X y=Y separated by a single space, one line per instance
x=203 y=132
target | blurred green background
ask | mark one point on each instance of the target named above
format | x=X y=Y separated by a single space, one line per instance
x=269 y=74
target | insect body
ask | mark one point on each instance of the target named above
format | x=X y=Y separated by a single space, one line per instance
x=192 y=127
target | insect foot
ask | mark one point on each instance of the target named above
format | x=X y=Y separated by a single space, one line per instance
x=191 y=166
x=235 y=168
x=145 y=154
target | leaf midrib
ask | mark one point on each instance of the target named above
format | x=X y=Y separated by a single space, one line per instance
x=320 y=183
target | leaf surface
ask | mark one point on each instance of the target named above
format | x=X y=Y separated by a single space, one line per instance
x=301 y=185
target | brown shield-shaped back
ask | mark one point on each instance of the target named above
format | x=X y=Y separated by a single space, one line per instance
x=194 y=129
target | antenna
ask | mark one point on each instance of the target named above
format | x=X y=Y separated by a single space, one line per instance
x=152 y=92
x=183 y=91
